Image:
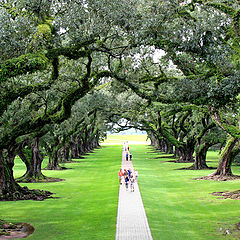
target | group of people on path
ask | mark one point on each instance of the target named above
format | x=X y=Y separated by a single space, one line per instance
x=129 y=177
x=127 y=152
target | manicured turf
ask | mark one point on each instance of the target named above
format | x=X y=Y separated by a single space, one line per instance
x=87 y=203
x=177 y=206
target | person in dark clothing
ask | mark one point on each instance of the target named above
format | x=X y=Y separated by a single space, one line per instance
x=129 y=173
x=126 y=182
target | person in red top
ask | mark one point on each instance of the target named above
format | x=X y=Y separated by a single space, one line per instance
x=120 y=175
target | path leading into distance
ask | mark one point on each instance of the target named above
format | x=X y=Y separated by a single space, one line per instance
x=132 y=223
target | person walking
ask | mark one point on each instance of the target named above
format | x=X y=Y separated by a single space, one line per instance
x=125 y=174
x=131 y=180
x=129 y=172
x=130 y=157
x=120 y=176
x=136 y=174
x=127 y=156
x=126 y=182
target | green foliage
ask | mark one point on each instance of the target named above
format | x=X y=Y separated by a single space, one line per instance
x=44 y=30
x=24 y=64
x=232 y=130
x=222 y=7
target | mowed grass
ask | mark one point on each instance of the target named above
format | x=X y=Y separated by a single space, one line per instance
x=179 y=207
x=86 y=207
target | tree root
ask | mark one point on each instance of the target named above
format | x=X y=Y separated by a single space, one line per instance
x=225 y=195
x=35 y=179
x=25 y=194
x=219 y=178
x=194 y=168
x=14 y=231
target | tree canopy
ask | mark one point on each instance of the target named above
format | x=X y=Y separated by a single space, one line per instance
x=70 y=70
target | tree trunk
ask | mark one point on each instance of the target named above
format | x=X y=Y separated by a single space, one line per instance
x=73 y=148
x=189 y=154
x=33 y=164
x=66 y=153
x=200 y=157
x=190 y=149
x=53 y=160
x=176 y=152
x=9 y=188
x=225 y=159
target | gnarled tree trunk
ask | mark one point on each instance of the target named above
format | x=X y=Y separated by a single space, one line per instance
x=226 y=158
x=9 y=188
x=33 y=163
x=200 y=157
x=53 y=160
x=66 y=153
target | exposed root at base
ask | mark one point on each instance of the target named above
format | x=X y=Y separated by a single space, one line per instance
x=14 y=231
x=39 y=180
x=193 y=168
x=26 y=194
x=225 y=195
x=219 y=178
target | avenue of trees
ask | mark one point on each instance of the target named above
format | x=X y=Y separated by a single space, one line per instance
x=72 y=70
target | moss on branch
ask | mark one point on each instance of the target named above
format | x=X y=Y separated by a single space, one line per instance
x=57 y=114
x=32 y=62
x=171 y=138
x=27 y=63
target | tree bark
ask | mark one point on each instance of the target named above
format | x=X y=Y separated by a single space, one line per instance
x=66 y=153
x=200 y=157
x=33 y=164
x=225 y=159
x=53 y=160
x=9 y=188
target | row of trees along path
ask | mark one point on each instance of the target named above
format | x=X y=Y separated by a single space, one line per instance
x=132 y=222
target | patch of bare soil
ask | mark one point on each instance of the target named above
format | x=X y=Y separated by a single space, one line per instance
x=231 y=195
x=230 y=229
x=26 y=194
x=14 y=231
x=219 y=178
x=178 y=161
x=164 y=156
x=154 y=152
x=43 y=180
x=193 y=168
x=75 y=161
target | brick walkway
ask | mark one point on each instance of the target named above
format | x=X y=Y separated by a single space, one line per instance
x=132 y=222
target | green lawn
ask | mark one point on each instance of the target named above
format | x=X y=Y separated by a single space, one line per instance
x=86 y=207
x=177 y=206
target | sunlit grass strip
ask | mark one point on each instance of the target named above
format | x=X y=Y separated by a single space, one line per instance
x=87 y=203
x=179 y=207
x=132 y=139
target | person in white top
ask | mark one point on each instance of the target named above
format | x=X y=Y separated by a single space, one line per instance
x=136 y=174
x=131 y=183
